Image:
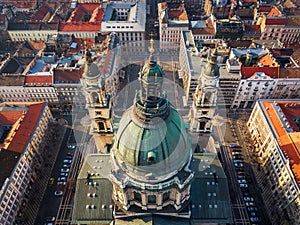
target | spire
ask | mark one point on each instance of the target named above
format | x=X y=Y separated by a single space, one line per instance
x=151 y=95
x=151 y=50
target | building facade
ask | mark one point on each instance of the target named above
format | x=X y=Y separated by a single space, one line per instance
x=172 y=20
x=21 y=153
x=274 y=126
x=127 y=20
x=31 y=31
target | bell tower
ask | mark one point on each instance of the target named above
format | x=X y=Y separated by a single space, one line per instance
x=205 y=97
x=98 y=103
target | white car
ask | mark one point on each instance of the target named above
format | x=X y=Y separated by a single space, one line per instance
x=58 y=193
x=67 y=161
x=65 y=170
x=71 y=146
x=61 y=179
x=248 y=199
x=61 y=183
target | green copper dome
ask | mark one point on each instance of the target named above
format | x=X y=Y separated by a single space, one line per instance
x=151 y=69
x=212 y=68
x=91 y=70
x=154 y=145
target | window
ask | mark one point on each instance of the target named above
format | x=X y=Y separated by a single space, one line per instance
x=166 y=196
x=151 y=199
x=137 y=196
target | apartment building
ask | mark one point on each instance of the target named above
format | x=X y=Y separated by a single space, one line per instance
x=31 y=31
x=275 y=25
x=24 y=133
x=274 y=127
x=84 y=21
x=172 y=20
x=127 y=20
x=261 y=77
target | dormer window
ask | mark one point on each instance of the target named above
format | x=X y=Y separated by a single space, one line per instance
x=151 y=157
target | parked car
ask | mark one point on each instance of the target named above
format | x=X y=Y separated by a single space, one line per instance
x=234 y=146
x=235 y=149
x=242 y=181
x=238 y=168
x=50 y=219
x=238 y=161
x=239 y=177
x=241 y=172
x=253 y=214
x=67 y=161
x=243 y=185
x=238 y=156
x=70 y=153
x=238 y=164
x=254 y=219
x=251 y=209
x=249 y=204
x=65 y=170
x=248 y=199
x=246 y=193
x=66 y=165
x=71 y=146
x=61 y=179
x=69 y=157
x=58 y=193
x=237 y=153
x=61 y=183
x=63 y=174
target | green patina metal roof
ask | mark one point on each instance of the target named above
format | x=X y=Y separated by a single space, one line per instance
x=212 y=68
x=210 y=200
x=166 y=139
x=151 y=69
x=93 y=197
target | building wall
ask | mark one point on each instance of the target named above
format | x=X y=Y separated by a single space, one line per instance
x=13 y=192
x=264 y=87
x=274 y=176
x=13 y=94
x=41 y=94
x=31 y=35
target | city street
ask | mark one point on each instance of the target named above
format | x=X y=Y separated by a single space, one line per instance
x=235 y=131
x=60 y=206
x=240 y=215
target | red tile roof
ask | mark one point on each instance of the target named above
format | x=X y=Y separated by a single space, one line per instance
x=275 y=21
x=252 y=27
x=67 y=76
x=93 y=9
x=248 y=71
x=264 y=8
x=289 y=142
x=24 y=4
x=22 y=135
x=38 y=80
x=9 y=117
x=79 y=27
x=274 y=12
x=40 y=13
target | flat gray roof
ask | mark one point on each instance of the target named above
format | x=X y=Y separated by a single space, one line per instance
x=93 y=197
x=210 y=202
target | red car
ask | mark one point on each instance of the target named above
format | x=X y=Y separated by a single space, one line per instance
x=235 y=149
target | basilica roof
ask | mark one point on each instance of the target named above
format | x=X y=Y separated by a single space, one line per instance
x=154 y=148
